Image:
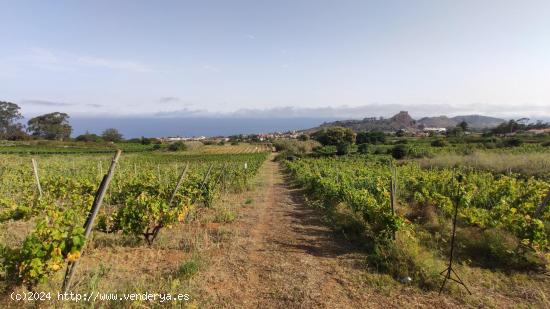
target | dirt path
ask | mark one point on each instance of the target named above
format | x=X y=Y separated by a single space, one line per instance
x=282 y=255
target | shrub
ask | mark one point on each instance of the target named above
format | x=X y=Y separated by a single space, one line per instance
x=370 y=138
x=225 y=215
x=490 y=145
x=156 y=146
x=325 y=150
x=546 y=144
x=512 y=142
x=363 y=148
x=294 y=147
x=146 y=141
x=439 y=143
x=495 y=248
x=399 y=151
x=89 y=137
x=343 y=148
x=191 y=267
x=177 y=146
x=406 y=258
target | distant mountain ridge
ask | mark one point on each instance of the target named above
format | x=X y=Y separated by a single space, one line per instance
x=403 y=120
x=474 y=121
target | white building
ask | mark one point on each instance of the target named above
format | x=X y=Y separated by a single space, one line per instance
x=435 y=130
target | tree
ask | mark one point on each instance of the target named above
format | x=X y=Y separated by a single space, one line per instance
x=9 y=114
x=303 y=137
x=370 y=138
x=111 y=135
x=511 y=126
x=54 y=126
x=463 y=125
x=335 y=136
x=400 y=133
x=456 y=132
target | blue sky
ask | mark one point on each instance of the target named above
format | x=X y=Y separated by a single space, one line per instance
x=276 y=58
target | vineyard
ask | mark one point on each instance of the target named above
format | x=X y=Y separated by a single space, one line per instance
x=148 y=192
x=507 y=211
x=165 y=214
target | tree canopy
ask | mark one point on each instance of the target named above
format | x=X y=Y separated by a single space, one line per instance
x=112 y=135
x=371 y=138
x=54 y=126
x=9 y=114
x=335 y=136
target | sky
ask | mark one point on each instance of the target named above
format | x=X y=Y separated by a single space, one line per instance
x=276 y=59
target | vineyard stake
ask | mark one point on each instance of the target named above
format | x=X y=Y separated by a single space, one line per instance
x=542 y=204
x=207 y=174
x=158 y=172
x=35 y=169
x=178 y=184
x=393 y=184
x=91 y=217
x=449 y=268
x=150 y=236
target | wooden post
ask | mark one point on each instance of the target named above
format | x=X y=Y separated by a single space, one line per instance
x=178 y=184
x=36 y=178
x=207 y=174
x=221 y=174
x=158 y=172
x=393 y=186
x=91 y=217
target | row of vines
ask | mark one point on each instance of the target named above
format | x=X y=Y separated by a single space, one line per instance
x=486 y=200
x=143 y=197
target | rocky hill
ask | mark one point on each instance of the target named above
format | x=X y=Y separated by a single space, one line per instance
x=403 y=120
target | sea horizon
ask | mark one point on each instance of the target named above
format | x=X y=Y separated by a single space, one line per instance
x=162 y=127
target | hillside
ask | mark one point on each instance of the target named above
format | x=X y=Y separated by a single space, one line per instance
x=474 y=121
x=403 y=120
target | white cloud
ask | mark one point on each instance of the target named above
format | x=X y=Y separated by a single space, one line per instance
x=210 y=68
x=44 y=103
x=65 y=61
x=113 y=64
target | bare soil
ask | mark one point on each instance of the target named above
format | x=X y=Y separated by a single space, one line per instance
x=283 y=255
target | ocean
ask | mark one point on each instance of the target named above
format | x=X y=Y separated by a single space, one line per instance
x=158 y=127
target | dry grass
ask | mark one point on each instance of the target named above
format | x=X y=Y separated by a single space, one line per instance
x=115 y=263
x=530 y=164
